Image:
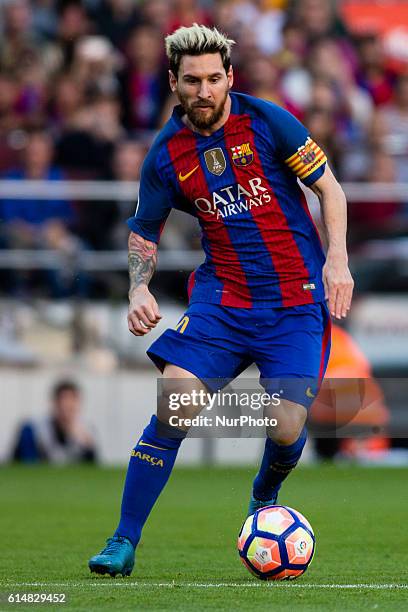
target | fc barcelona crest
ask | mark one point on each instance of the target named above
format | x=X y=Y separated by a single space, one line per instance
x=306 y=153
x=242 y=155
x=215 y=160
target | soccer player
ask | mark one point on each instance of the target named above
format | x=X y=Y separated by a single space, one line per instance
x=264 y=292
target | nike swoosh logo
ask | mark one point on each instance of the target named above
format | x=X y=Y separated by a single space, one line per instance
x=184 y=177
x=151 y=446
x=309 y=392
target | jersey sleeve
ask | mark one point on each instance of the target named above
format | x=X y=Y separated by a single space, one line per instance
x=154 y=203
x=297 y=149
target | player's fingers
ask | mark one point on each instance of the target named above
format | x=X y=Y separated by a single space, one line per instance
x=326 y=287
x=339 y=300
x=139 y=325
x=146 y=316
x=348 y=293
x=140 y=318
x=351 y=293
x=132 y=328
x=156 y=311
x=149 y=312
x=332 y=299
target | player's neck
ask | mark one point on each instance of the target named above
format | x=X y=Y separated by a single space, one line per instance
x=216 y=126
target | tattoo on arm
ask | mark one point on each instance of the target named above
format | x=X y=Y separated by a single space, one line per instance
x=142 y=260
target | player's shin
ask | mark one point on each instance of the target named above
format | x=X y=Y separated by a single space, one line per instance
x=277 y=462
x=150 y=466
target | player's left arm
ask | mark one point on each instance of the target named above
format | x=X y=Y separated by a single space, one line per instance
x=294 y=146
x=337 y=279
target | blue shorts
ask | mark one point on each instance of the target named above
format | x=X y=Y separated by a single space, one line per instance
x=216 y=343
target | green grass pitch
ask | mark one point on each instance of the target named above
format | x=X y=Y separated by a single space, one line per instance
x=53 y=519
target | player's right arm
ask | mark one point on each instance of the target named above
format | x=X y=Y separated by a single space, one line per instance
x=144 y=311
x=153 y=208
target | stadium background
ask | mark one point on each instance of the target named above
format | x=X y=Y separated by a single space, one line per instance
x=83 y=89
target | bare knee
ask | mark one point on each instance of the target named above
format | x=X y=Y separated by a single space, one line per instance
x=289 y=424
x=286 y=437
x=176 y=386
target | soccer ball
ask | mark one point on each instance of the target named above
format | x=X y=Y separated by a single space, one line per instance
x=276 y=543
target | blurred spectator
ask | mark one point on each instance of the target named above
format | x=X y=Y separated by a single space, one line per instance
x=44 y=18
x=37 y=164
x=86 y=150
x=187 y=12
x=371 y=220
x=128 y=159
x=390 y=129
x=102 y=224
x=144 y=81
x=293 y=48
x=73 y=24
x=95 y=64
x=36 y=224
x=321 y=123
x=263 y=81
x=374 y=75
x=127 y=164
x=9 y=90
x=87 y=143
x=61 y=437
x=262 y=21
x=9 y=120
x=66 y=100
x=225 y=17
x=333 y=124
x=326 y=84
x=115 y=19
x=20 y=56
x=327 y=61
x=156 y=13
x=318 y=18
x=18 y=45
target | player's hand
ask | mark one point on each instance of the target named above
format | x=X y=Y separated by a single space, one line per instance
x=338 y=284
x=144 y=311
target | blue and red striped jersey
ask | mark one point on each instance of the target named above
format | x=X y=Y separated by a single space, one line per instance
x=261 y=246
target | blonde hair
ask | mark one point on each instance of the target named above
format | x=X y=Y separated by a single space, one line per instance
x=197 y=40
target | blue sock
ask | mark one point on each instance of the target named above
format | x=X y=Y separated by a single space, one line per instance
x=150 y=466
x=277 y=463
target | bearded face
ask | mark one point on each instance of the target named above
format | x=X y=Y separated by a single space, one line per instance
x=202 y=87
x=202 y=114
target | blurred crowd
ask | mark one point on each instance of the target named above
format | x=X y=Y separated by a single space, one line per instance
x=83 y=89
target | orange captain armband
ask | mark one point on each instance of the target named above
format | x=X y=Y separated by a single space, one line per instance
x=308 y=158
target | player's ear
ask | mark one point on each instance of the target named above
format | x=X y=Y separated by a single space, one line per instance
x=172 y=81
x=230 y=77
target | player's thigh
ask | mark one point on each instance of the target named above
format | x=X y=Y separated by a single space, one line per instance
x=207 y=342
x=292 y=353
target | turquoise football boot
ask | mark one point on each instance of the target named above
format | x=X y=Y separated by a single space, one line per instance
x=257 y=504
x=118 y=557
